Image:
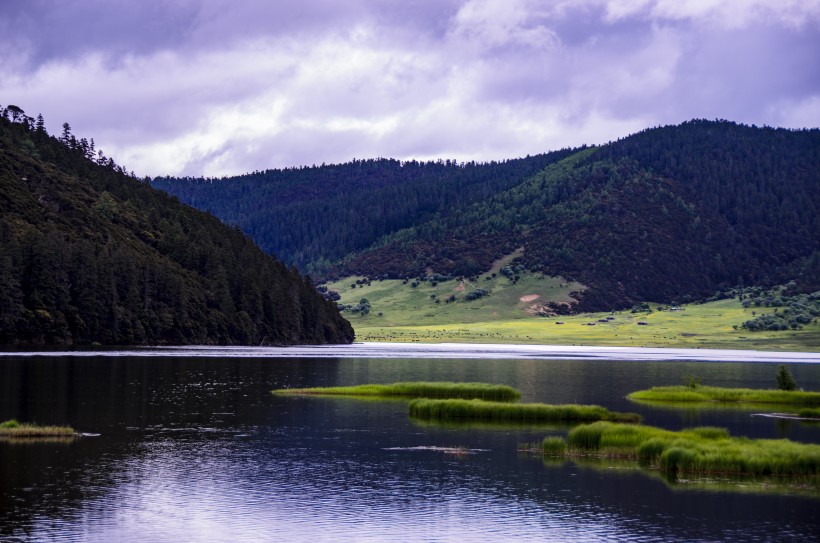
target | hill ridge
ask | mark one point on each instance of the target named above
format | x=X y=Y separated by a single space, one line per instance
x=90 y=254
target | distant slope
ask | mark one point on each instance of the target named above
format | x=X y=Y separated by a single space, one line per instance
x=314 y=216
x=668 y=214
x=88 y=254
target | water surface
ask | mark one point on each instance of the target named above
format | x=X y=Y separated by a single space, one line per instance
x=195 y=447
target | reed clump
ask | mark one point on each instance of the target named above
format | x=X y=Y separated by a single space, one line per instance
x=457 y=409
x=697 y=452
x=554 y=446
x=418 y=389
x=702 y=393
x=13 y=428
x=809 y=413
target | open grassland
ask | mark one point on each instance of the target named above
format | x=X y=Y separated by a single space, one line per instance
x=694 y=452
x=400 y=312
x=429 y=409
x=395 y=303
x=419 y=389
x=14 y=429
x=700 y=393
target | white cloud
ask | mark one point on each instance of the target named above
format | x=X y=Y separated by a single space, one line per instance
x=493 y=80
x=485 y=24
x=723 y=13
x=795 y=113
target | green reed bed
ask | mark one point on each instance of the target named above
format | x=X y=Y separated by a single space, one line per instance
x=809 y=413
x=718 y=394
x=455 y=409
x=12 y=428
x=696 y=452
x=419 y=389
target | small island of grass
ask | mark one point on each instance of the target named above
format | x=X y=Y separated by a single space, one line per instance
x=455 y=409
x=12 y=428
x=693 y=452
x=419 y=389
x=703 y=393
x=809 y=413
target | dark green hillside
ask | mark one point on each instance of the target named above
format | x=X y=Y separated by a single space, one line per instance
x=90 y=254
x=313 y=216
x=669 y=214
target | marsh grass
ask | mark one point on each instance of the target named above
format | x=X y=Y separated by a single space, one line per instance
x=477 y=424
x=13 y=429
x=554 y=446
x=26 y=440
x=456 y=409
x=809 y=413
x=687 y=482
x=685 y=394
x=697 y=452
x=420 y=389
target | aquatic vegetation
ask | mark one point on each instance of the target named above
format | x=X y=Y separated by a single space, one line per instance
x=809 y=413
x=419 y=389
x=719 y=394
x=554 y=445
x=695 y=452
x=12 y=428
x=455 y=409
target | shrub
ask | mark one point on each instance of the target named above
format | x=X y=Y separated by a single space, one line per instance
x=784 y=378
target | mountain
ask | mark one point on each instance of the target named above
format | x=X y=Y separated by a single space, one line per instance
x=313 y=216
x=91 y=254
x=673 y=213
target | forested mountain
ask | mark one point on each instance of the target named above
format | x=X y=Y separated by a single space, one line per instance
x=313 y=216
x=668 y=214
x=90 y=254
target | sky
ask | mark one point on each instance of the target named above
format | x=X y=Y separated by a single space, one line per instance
x=224 y=87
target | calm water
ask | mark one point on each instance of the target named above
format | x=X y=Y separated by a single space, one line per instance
x=197 y=449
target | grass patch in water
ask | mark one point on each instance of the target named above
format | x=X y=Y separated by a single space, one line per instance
x=455 y=409
x=420 y=389
x=696 y=452
x=809 y=413
x=12 y=428
x=719 y=394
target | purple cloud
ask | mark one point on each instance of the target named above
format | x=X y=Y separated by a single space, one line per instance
x=222 y=87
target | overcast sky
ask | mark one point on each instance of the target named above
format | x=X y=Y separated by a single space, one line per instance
x=220 y=87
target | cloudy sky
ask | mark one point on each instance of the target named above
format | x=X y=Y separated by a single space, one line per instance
x=220 y=87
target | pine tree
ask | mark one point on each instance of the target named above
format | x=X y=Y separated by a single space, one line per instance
x=785 y=381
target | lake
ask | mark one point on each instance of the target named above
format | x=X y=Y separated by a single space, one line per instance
x=190 y=445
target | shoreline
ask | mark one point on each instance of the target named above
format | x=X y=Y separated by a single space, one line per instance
x=445 y=351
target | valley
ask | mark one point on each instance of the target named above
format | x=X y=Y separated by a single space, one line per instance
x=400 y=312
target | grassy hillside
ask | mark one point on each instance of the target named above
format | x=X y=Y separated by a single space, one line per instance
x=399 y=312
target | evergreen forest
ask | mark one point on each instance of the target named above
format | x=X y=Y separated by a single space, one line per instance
x=90 y=254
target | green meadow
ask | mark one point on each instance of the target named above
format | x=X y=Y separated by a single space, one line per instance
x=509 y=313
